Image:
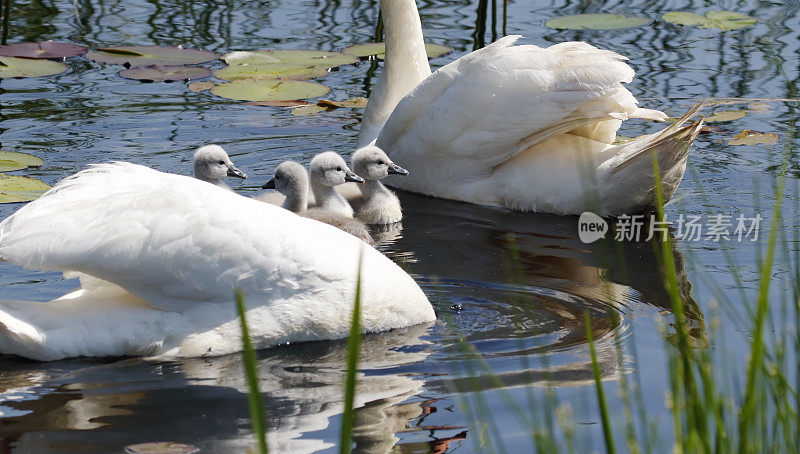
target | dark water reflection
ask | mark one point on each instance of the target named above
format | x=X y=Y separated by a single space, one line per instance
x=523 y=281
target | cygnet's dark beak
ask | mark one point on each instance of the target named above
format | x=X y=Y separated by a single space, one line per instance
x=269 y=184
x=396 y=169
x=350 y=176
x=234 y=172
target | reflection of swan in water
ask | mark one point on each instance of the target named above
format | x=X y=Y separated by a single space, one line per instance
x=527 y=297
x=202 y=401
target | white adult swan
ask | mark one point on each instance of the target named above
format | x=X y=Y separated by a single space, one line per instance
x=212 y=164
x=291 y=180
x=517 y=126
x=158 y=278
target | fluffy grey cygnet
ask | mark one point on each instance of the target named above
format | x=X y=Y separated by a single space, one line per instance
x=326 y=171
x=374 y=203
x=212 y=164
x=291 y=180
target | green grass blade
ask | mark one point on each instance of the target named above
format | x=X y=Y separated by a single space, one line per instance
x=257 y=416
x=601 y=397
x=353 y=352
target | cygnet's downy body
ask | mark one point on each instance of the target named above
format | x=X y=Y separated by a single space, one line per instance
x=291 y=180
x=212 y=164
x=374 y=204
x=326 y=171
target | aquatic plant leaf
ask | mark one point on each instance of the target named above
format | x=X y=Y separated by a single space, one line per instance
x=159 y=73
x=163 y=447
x=201 y=86
x=748 y=137
x=278 y=103
x=301 y=57
x=727 y=115
x=15 y=188
x=151 y=55
x=44 y=49
x=379 y=50
x=724 y=20
x=269 y=90
x=596 y=22
x=28 y=67
x=357 y=102
x=311 y=109
x=270 y=71
x=12 y=160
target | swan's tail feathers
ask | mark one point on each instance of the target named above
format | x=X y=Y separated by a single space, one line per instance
x=19 y=338
x=634 y=175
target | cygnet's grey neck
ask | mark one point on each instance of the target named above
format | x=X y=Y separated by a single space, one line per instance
x=297 y=198
x=326 y=197
x=372 y=188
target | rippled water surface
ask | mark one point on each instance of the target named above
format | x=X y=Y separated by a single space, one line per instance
x=523 y=281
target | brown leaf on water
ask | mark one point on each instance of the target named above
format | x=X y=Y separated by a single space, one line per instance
x=748 y=137
x=201 y=85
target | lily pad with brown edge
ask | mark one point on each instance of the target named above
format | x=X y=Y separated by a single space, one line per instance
x=723 y=20
x=596 y=22
x=159 y=73
x=301 y=57
x=15 y=188
x=29 y=67
x=379 y=50
x=726 y=115
x=278 y=103
x=311 y=109
x=269 y=90
x=270 y=71
x=201 y=86
x=44 y=49
x=12 y=160
x=358 y=103
x=151 y=55
x=748 y=137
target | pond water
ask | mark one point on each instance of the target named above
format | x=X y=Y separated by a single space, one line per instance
x=523 y=281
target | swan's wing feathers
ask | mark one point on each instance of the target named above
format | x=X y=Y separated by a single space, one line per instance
x=503 y=99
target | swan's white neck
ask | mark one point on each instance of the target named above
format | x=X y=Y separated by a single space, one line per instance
x=405 y=66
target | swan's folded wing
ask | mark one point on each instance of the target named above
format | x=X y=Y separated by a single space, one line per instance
x=493 y=103
x=174 y=241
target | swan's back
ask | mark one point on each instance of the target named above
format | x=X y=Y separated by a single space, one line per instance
x=175 y=242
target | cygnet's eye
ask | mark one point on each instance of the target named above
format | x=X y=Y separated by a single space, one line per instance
x=222 y=162
x=339 y=169
x=277 y=177
x=380 y=162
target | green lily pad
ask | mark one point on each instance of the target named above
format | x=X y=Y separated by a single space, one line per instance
x=14 y=188
x=44 y=49
x=724 y=20
x=748 y=137
x=270 y=71
x=151 y=55
x=12 y=160
x=379 y=50
x=596 y=22
x=299 y=57
x=269 y=90
x=311 y=109
x=27 y=67
x=158 y=73
x=163 y=447
x=726 y=115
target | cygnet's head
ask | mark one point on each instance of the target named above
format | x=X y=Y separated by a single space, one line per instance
x=290 y=178
x=212 y=164
x=329 y=169
x=372 y=163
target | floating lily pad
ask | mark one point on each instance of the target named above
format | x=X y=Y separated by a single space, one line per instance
x=727 y=115
x=44 y=49
x=596 y=22
x=724 y=20
x=358 y=102
x=11 y=160
x=163 y=447
x=269 y=90
x=748 y=137
x=270 y=71
x=311 y=109
x=278 y=103
x=379 y=50
x=151 y=55
x=201 y=86
x=14 y=188
x=158 y=73
x=27 y=67
x=290 y=56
